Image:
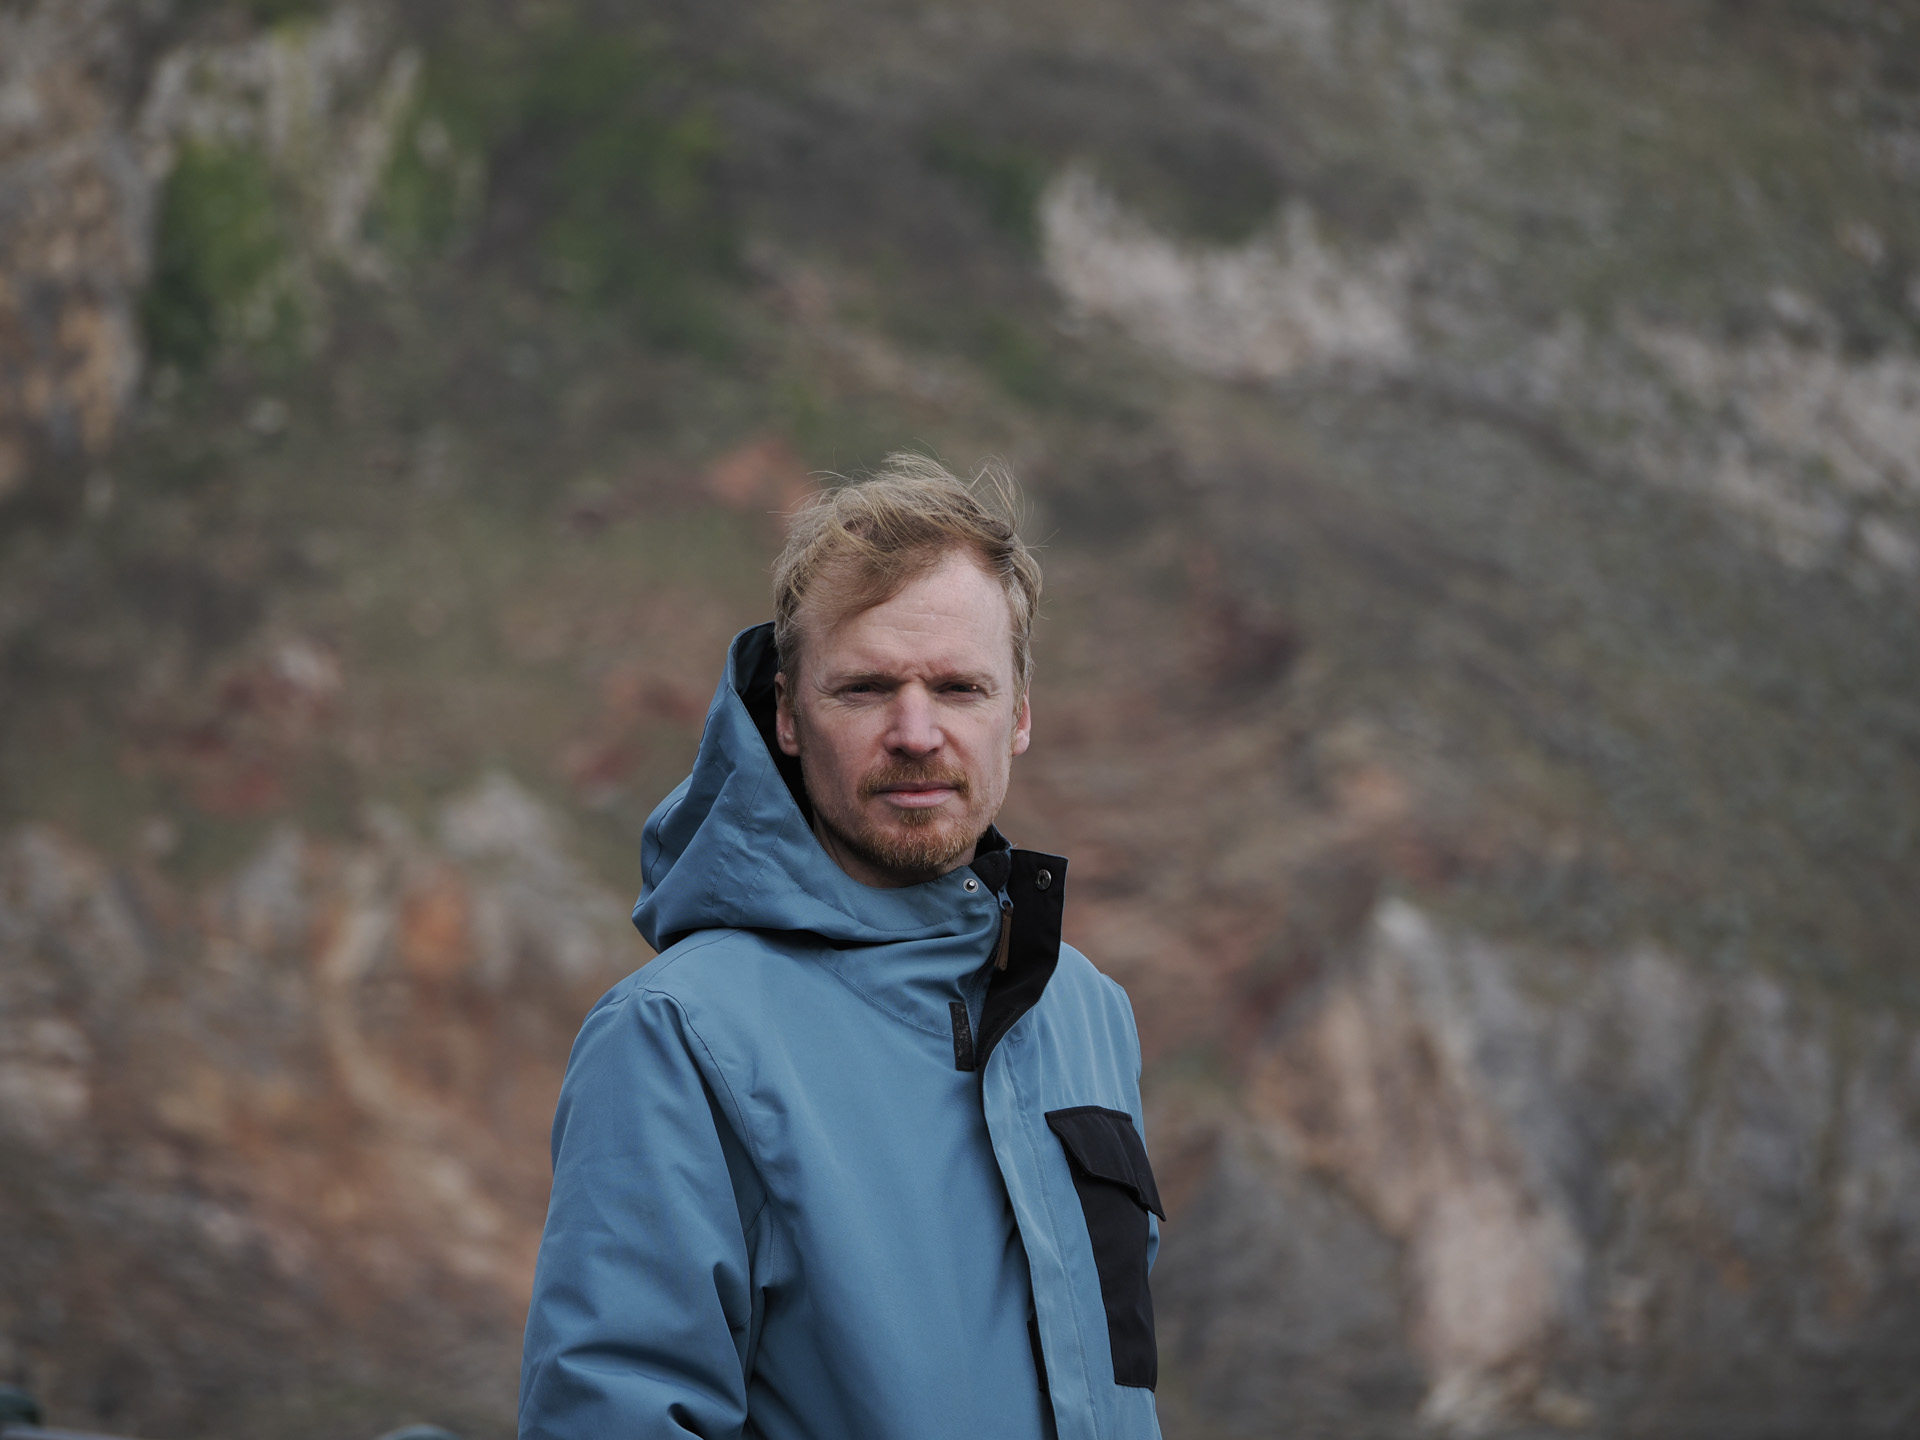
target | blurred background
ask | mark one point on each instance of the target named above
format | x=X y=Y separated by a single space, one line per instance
x=1476 y=446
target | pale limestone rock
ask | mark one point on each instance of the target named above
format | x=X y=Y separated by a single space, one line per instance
x=1283 y=303
x=532 y=903
x=1396 y=1085
x=62 y=900
x=44 y=1086
x=1576 y=1156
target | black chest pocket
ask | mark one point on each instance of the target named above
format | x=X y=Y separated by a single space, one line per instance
x=1116 y=1189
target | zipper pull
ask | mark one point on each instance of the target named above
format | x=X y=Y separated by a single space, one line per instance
x=1001 y=950
x=962 y=1036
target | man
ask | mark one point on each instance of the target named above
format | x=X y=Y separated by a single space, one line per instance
x=858 y=1155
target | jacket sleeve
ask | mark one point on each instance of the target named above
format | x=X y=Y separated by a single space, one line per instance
x=643 y=1310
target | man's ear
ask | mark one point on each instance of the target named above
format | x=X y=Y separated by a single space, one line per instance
x=1023 y=726
x=784 y=730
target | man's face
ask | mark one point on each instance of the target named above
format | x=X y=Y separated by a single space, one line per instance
x=906 y=719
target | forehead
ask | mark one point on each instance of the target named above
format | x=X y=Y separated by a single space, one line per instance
x=953 y=617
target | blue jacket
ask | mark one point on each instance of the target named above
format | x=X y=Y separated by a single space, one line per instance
x=822 y=1171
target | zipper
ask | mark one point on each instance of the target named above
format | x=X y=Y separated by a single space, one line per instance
x=964 y=1057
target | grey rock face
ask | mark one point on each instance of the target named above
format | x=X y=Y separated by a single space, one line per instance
x=75 y=208
x=1569 y=1191
x=1279 y=1307
x=93 y=115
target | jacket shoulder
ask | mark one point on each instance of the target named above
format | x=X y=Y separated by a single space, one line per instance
x=652 y=977
x=1082 y=974
x=1080 y=989
x=707 y=965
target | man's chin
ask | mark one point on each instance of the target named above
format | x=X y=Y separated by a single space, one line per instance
x=914 y=851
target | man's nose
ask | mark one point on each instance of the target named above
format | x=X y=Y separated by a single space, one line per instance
x=915 y=728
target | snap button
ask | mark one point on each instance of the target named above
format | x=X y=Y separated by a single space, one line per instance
x=973 y=885
x=1042 y=879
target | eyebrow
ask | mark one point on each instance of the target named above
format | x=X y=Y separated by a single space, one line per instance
x=888 y=677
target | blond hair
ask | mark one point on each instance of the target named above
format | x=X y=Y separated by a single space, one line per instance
x=858 y=545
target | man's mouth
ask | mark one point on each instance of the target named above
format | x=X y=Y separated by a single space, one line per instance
x=915 y=789
x=915 y=798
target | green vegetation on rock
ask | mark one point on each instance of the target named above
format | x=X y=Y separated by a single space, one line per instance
x=434 y=187
x=219 y=248
x=1005 y=180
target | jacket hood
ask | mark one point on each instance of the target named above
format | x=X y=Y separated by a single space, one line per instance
x=733 y=846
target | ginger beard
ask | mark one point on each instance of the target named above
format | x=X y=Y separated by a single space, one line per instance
x=905 y=718
x=921 y=843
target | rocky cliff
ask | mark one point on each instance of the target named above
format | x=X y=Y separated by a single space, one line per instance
x=1604 y=1194
x=1475 y=446
x=254 y=1130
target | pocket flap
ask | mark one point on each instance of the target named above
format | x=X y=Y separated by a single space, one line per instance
x=1104 y=1144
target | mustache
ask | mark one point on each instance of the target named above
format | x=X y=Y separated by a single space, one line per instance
x=907 y=774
